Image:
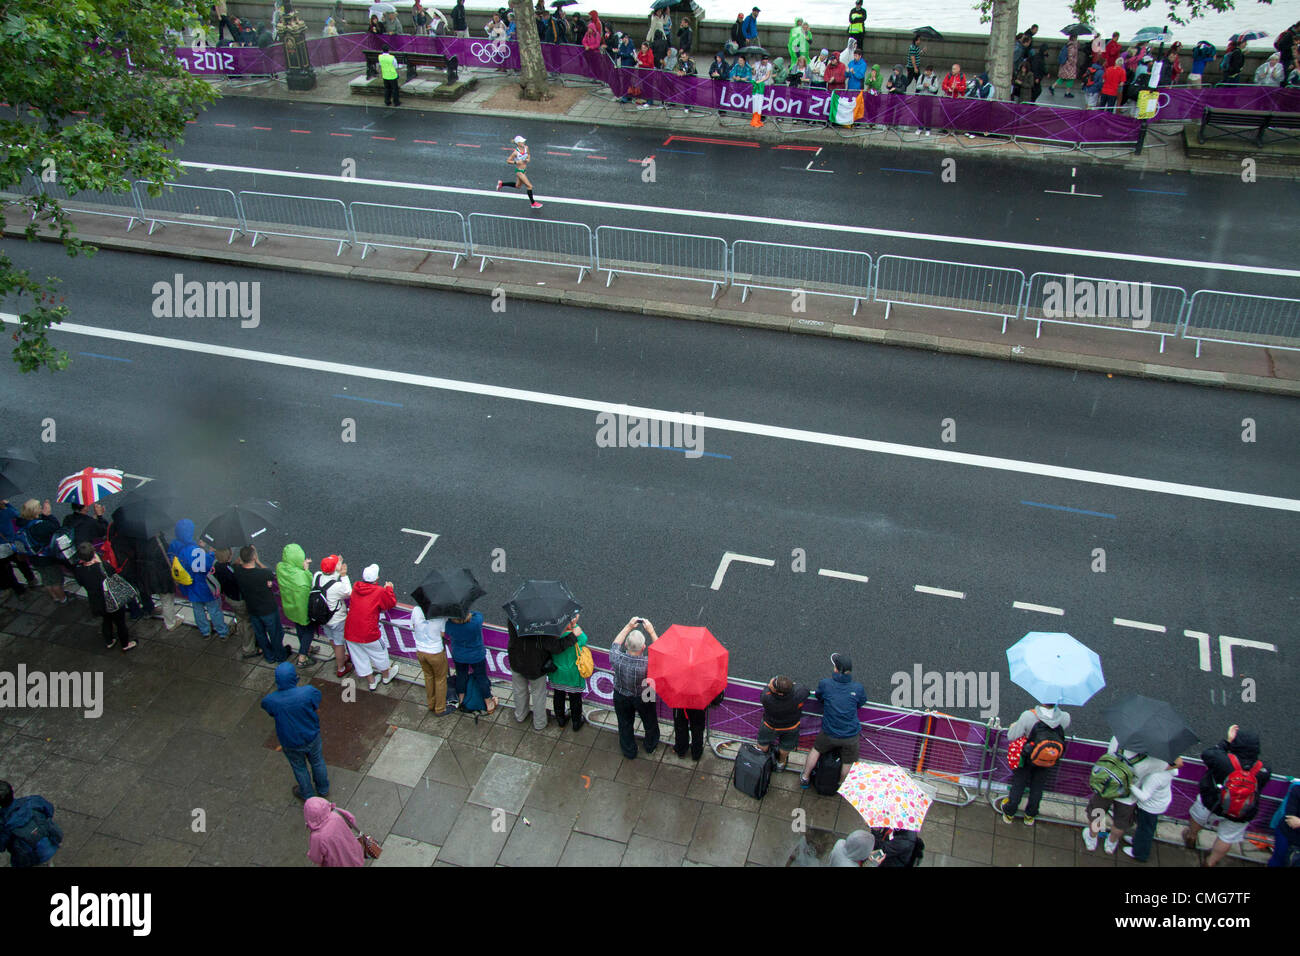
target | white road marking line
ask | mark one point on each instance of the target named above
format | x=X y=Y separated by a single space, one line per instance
x=960 y=595
x=428 y=534
x=843 y=575
x=581 y=149
x=1061 y=192
x=1226 y=644
x=809 y=168
x=686 y=418
x=1140 y=625
x=1037 y=607
x=728 y=557
x=141 y=478
x=766 y=221
x=1204 y=640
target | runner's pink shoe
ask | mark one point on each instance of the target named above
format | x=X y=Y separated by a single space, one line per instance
x=536 y=205
x=499 y=183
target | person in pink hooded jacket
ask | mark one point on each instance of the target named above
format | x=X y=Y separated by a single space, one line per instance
x=332 y=841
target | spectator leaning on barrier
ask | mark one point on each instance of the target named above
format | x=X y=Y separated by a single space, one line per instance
x=332 y=578
x=782 y=702
x=685 y=66
x=840 y=696
x=669 y=64
x=234 y=598
x=926 y=85
x=1122 y=805
x=856 y=72
x=294 y=577
x=817 y=69
x=1092 y=81
x=763 y=71
x=741 y=72
x=1112 y=86
x=718 y=69
x=567 y=683
x=954 y=84
x=432 y=655
x=465 y=637
x=257 y=585
x=798 y=72
x=1270 y=72
x=591 y=39
x=897 y=81
x=530 y=662
x=191 y=561
x=361 y=627
x=1043 y=728
x=633 y=694
x=1227 y=798
x=1154 y=793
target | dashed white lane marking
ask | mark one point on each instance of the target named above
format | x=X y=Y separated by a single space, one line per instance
x=728 y=557
x=843 y=575
x=703 y=421
x=1226 y=644
x=940 y=592
x=1204 y=640
x=432 y=536
x=1042 y=608
x=1140 y=625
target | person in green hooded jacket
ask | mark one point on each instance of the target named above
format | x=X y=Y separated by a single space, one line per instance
x=800 y=42
x=295 y=584
x=565 y=680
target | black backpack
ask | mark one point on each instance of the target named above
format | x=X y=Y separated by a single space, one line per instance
x=318 y=607
x=826 y=775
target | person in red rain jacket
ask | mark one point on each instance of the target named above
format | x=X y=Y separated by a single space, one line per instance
x=1112 y=83
x=361 y=627
x=954 y=84
x=835 y=73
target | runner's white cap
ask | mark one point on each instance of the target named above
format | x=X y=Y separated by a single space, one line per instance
x=520 y=139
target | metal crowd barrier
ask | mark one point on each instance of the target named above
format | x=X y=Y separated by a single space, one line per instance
x=666 y=255
x=410 y=227
x=787 y=268
x=297 y=217
x=1239 y=319
x=203 y=206
x=1113 y=304
x=94 y=202
x=544 y=241
x=955 y=286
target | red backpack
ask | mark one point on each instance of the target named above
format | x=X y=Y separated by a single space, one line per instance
x=1239 y=794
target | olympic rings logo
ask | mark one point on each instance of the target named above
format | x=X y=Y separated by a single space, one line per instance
x=490 y=53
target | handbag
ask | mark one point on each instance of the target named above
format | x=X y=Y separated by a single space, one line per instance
x=369 y=845
x=118 y=593
x=586 y=663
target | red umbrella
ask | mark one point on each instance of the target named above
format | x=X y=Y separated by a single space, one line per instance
x=688 y=667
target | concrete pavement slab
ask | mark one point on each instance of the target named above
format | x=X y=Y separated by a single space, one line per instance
x=559 y=791
x=430 y=811
x=611 y=811
x=403 y=851
x=722 y=836
x=538 y=839
x=668 y=819
x=593 y=852
x=377 y=804
x=643 y=851
x=405 y=757
x=477 y=837
x=774 y=840
x=505 y=783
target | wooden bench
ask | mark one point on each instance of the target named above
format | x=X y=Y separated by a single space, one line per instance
x=1248 y=125
x=412 y=61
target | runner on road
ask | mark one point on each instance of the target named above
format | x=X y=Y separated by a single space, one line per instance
x=519 y=160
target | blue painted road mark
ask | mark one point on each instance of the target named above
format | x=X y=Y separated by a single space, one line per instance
x=1077 y=511
x=1162 y=192
x=372 y=401
x=111 y=358
x=706 y=454
x=688 y=152
x=919 y=172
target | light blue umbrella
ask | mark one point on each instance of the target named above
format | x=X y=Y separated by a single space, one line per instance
x=1055 y=668
x=1152 y=34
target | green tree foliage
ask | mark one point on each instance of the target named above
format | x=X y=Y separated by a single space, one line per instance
x=95 y=96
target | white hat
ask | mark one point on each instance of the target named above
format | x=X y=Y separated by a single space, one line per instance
x=520 y=139
x=371 y=574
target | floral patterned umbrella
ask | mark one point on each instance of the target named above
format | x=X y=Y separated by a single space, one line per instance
x=886 y=796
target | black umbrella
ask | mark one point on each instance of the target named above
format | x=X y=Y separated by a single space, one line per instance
x=662 y=4
x=447 y=593
x=243 y=524
x=1079 y=29
x=928 y=33
x=17 y=468
x=144 y=517
x=752 y=51
x=541 y=607
x=1149 y=726
x=562 y=3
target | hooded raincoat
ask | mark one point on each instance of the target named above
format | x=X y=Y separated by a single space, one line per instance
x=332 y=842
x=295 y=583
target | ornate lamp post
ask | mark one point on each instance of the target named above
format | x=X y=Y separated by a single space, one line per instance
x=293 y=31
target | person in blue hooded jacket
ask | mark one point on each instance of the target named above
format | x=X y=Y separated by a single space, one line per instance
x=197 y=562
x=27 y=828
x=297 y=725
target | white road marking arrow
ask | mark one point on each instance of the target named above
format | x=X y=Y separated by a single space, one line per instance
x=728 y=557
x=428 y=534
x=1226 y=644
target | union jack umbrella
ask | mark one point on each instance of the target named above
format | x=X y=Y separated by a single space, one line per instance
x=89 y=485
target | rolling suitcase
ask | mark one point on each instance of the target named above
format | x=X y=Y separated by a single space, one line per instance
x=753 y=770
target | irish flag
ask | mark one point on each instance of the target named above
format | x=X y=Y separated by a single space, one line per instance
x=846 y=108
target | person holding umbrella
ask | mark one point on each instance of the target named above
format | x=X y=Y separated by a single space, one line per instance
x=530 y=662
x=633 y=693
x=84 y=528
x=687 y=667
x=567 y=682
x=431 y=652
x=1154 y=794
x=465 y=635
x=1041 y=726
x=1120 y=800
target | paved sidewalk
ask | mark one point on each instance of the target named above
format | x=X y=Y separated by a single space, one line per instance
x=182 y=731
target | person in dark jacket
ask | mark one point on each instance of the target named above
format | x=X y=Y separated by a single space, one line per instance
x=146 y=566
x=738 y=30
x=464 y=638
x=297 y=725
x=36 y=522
x=1286 y=835
x=1234 y=62
x=27 y=828
x=782 y=702
x=1237 y=752
x=899 y=846
x=91 y=575
x=840 y=697
x=14 y=547
x=530 y=662
x=83 y=527
x=685 y=37
x=458 y=21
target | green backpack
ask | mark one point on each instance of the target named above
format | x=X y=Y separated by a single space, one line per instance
x=1112 y=776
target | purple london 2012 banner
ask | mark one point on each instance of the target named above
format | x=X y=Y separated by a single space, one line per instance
x=1028 y=121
